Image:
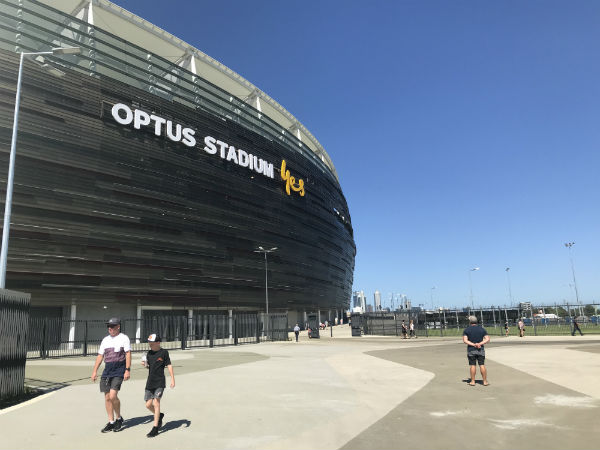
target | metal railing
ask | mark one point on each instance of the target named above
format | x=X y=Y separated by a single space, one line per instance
x=14 y=314
x=554 y=320
x=53 y=337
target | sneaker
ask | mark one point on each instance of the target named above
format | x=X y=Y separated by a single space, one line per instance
x=109 y=427
x=118 y=424
x=160 y=418
x=153 y=432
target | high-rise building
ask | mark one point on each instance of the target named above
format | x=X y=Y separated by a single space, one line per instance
x=359 y=302
x=377 y=298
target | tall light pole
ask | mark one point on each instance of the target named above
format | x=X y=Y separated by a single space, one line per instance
x=569 y=245
x=508 y=280
x=471 y=285
x=262 y=250
x=13 y=150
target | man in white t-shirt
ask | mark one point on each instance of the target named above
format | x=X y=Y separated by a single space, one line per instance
x=115 y=350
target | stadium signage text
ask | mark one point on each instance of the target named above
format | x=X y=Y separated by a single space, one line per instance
x=124 y=115
x=290 y=181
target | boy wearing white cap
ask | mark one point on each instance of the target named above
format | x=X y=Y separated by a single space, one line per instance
x=156 y=360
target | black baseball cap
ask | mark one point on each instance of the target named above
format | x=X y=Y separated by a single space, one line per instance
x=154 y=337
x=113 y=321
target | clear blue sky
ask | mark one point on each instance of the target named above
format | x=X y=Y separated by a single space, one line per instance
x=465 y=133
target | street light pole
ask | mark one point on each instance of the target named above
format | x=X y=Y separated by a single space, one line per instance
x=569 y=245
x=509 y=289
x=471 y=286
x=13 y=151
x=262 y=250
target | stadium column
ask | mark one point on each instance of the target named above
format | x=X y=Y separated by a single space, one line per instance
x=319 y=316
x=72 y=325
x=138 y=323
x=190 y=322
x=230 y=324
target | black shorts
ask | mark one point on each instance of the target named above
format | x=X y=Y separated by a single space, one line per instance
x=112 y=383
x=149 y=394
x=476 y=358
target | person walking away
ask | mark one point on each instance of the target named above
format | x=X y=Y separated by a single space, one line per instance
x=506 y=328
x=297 y=331
x=404 y=330
x=157 y=359
x=521 y=328
x=115 y=350
x=475 y=336
x=576 y=328
x=411 y=329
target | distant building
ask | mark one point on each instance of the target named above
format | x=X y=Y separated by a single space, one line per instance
x=377 y=300
x=359 y=302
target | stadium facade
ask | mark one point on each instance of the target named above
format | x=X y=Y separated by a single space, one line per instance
x=146 y=182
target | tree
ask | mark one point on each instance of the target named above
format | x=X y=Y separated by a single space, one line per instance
x=589 y=310
x=561 y=312
x=549 y=310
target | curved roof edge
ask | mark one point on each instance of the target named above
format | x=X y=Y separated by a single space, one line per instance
x=145 y=35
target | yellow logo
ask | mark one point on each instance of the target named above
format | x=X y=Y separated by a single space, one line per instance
x=290 y=181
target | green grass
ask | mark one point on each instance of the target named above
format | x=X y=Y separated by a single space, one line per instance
x=541 y=330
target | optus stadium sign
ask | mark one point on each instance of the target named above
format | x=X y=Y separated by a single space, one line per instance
x=177 y=132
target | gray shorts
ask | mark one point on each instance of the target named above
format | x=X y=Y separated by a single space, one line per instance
x=108 y=384
x=476 y=357
x=153 y=393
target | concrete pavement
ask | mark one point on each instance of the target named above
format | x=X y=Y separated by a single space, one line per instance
x=340 y=392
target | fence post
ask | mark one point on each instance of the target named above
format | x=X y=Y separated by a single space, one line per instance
x=85 y=339
x=184 y=331
x=235 y=330
x=211 y=330
x=396 y=323
x=441 y=324
x=257 y=329
x=43 y=343
x=533 y=321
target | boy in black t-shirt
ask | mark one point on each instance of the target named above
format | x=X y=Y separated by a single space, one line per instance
x=156 y=360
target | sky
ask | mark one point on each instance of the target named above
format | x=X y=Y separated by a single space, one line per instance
x=465 y=134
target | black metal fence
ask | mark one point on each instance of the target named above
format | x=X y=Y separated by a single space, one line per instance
x=14 y=315
x=51 y=337
x=538 y=320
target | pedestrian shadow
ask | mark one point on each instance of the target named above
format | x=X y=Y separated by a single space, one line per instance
x=174 y=424
x=135 y=421
x=46 y=385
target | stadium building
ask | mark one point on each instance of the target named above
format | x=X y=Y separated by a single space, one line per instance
x=145 y=183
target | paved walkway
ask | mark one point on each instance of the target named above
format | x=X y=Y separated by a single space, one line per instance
x=340 y=392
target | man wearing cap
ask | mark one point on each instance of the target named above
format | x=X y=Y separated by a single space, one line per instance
x=115 y=350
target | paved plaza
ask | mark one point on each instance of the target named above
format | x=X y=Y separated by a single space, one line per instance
x=341 y=392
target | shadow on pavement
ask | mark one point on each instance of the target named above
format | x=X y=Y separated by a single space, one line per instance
x=134 y=421
x=173 y=424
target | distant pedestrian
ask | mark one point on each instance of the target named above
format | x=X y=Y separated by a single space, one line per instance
x=576 y=328
x=475 y=336
x=157 y=359
x=115 y=350
x=404 y=330
x=506 y=329
x=521 y=328
x=411 y=328
x=297 y=331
